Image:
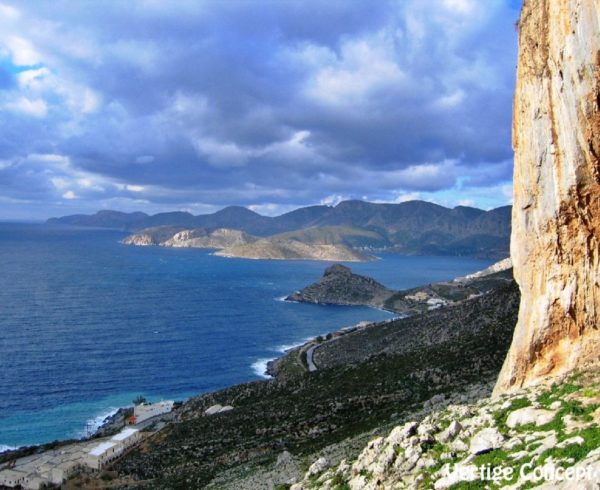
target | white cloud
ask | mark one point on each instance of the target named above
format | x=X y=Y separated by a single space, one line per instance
x=135 y=188
x=408 y=196
x=8 y=12
x=59 y=182
x=333 y=200
x=427 y=176
x=22 y=51
x=31 y=107
x=32 y=79
x=221 y=154
x=69 y=195
x=90 y=101
x=364 y=66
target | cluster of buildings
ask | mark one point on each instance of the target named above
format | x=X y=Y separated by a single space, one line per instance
x=54 y=467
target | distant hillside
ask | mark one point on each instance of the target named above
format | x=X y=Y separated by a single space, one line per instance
x=414 y=227
x=278 y=249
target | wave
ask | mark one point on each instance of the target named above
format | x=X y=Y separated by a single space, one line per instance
x=283 y=348
x=260 y=367
x=93 y=424
x=4 y=448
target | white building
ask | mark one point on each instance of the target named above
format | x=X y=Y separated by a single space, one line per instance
x=12 y=478
x=107 y=451
x=63 y=471
x=34 y=482
x=103 y=453
x=145 y=411
x=127 y=437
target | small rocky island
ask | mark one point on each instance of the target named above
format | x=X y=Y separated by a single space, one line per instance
x=341 y=287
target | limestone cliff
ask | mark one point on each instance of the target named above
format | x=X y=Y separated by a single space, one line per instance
x=556 y=211
x=203 y=238
x=170 y=236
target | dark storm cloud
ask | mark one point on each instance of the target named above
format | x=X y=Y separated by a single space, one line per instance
x=211 y=103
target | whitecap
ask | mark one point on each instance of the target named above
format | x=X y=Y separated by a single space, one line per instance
x=93 y=424
x=4 y=448
x=260 y=367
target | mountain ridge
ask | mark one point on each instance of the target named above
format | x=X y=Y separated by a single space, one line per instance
x=412 y=228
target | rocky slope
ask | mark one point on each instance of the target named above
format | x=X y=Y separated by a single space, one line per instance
x=340 y=286
x=332 y=410
x=531 y=438
x=556 y=214
x=280 y=249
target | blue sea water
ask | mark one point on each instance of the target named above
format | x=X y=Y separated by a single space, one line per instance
x=86 y=323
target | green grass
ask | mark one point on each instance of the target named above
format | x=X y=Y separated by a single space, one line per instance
x=501 y=415
x=366 y=474
x=558 y=392
x=591 y=392
x=577 y=452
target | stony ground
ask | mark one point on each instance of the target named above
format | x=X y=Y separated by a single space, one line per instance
x=543 y=437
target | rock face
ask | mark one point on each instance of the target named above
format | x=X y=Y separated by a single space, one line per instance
x=556 y=212
x=202 y=238
x=341 y=287
x=169 y=236
x=151 y=236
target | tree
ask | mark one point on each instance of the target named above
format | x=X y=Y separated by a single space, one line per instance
x=139 y=400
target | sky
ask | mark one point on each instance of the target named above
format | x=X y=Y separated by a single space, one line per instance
x=157 y=105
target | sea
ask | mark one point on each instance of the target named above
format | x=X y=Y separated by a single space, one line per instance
x=88 y=324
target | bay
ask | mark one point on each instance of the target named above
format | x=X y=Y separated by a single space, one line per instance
x=87 y=324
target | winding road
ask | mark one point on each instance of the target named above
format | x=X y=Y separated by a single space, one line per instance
x=309 y=358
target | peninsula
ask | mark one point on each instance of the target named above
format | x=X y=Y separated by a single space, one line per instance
x=340 y=286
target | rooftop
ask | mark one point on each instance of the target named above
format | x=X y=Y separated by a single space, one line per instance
x=124 y=434
x=100 y=449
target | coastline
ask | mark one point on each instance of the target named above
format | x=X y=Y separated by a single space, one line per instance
x=105 y=420
x=265 y=368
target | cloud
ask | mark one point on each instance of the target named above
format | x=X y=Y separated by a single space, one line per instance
x=30 y=107
x=197 y=105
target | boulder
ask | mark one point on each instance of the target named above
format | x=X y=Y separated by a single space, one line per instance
x=530 y=415
x=450 y=433
x=486 y=440
x=317 y=467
